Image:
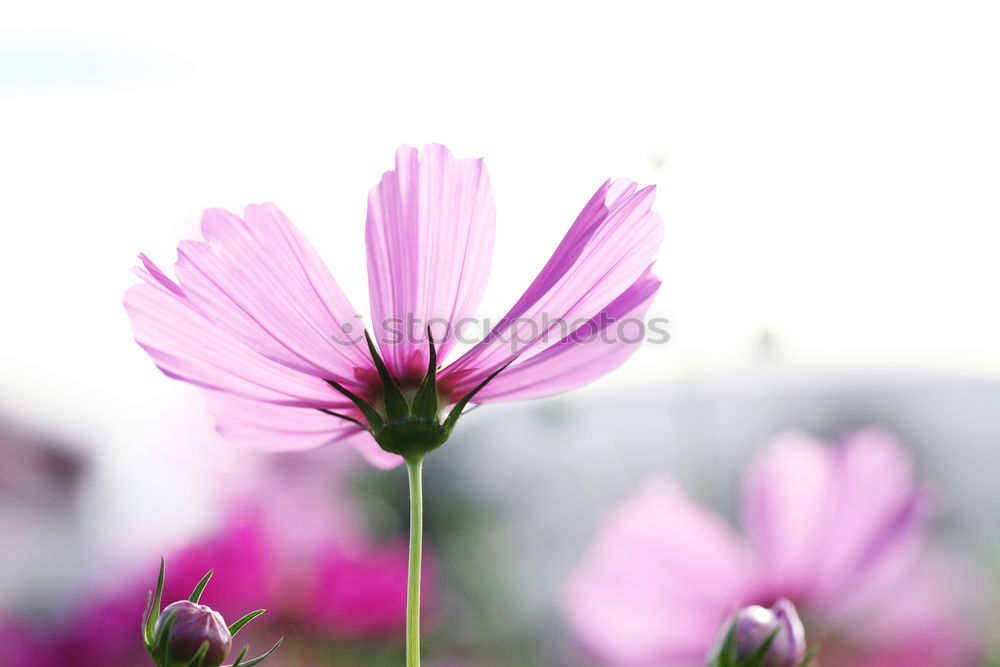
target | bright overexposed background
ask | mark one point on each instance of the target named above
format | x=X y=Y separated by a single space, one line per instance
x=827 y=174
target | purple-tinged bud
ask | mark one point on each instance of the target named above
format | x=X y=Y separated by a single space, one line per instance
x=192 y=625
x=753 y=625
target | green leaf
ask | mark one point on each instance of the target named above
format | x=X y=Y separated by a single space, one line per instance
x=238 y=625
x=396 y=407
x=425 y=403
x=153 y=615
x=200 y=588
x=456 y=411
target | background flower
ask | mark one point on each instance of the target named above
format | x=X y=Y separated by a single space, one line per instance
x=839 y=530
x=337 y=583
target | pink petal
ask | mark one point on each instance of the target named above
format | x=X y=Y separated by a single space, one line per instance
x=361 y=594
x=262 y=282
x=835 y=526
x=784 y=510
x=188 y=346
x=607 y=249
x=594 y=350
x=280 y=428
x=660 y=578
x=430 y=243
x=365 y=445
x=925 y=622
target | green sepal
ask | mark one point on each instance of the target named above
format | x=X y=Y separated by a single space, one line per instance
x=344 y=417
x=810 y=655
x=410 y=431
x=374 y=419
x=238 y=625
x=159 y=650
x=425 y=403
x=239 y=658
x=759 y=656
x=199 y=657
x=152 y=613
x=396 y=407
x=726 y=655
x=200 y=588
x=258 y=659
x=456 y=411
x=145 y=620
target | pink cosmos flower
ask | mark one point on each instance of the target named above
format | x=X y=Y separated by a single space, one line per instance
x=24 y=645
x=347 y=592
x=343 y=589
x=256 y=318
x=837 y=530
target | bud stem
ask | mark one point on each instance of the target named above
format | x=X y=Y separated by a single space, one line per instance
x=414 y=470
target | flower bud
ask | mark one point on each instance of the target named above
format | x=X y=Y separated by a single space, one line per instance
x=752 y=626
x=192 y=625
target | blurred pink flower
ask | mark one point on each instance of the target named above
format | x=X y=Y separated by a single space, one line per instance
x=360 y=595
x=838 y=530
x=257 y=319
x=245 y=560
x=101 y=631
x=351 y=590
x=24 y=645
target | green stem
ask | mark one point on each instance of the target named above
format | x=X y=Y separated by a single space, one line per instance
x=414 y=470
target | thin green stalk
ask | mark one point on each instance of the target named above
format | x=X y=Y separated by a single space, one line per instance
x=414 y=470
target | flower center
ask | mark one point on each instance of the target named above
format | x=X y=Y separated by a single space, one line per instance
x=408 y=422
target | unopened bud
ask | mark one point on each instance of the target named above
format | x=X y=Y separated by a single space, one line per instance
x=189 y=634
x=750 y=628
x=193 y=625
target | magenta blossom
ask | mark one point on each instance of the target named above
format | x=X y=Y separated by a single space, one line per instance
x=256 y=318
x=26 y=645
x=359 y=594
x=837 y=530
x=350 y=592
x=348 y=589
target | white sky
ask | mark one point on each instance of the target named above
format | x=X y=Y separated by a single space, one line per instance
x=828 y=171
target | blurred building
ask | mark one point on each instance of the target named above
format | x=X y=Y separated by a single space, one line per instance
x=40 y=481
